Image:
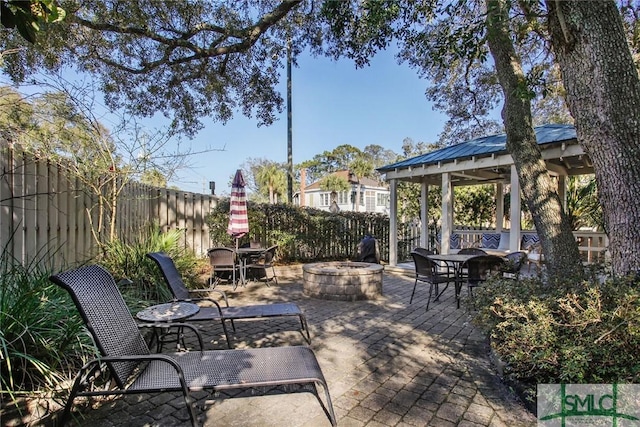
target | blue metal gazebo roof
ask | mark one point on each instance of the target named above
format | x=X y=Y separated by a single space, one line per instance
x=487 y=145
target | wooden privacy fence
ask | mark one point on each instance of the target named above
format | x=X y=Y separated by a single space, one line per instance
x=48 y=215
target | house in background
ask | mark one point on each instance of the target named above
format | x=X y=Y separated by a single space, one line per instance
x=374 y=195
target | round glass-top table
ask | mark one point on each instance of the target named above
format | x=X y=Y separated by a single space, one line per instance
x=168 y=312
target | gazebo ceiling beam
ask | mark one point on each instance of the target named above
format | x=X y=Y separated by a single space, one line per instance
x=557 y=169
x=479 y=175
x=563 y=150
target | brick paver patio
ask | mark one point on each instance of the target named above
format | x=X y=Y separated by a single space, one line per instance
x=387 y=363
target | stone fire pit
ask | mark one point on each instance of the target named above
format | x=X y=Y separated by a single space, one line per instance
x=342 y=281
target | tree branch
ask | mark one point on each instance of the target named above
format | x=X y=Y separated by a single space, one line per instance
x=247 y=37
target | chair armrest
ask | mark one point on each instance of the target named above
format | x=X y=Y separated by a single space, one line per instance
x=95 y=365
x=222 y=294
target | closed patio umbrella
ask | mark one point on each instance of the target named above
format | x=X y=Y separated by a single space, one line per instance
x=238 y=218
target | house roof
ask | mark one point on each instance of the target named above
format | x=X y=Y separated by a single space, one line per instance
x=367 y=182
x=486 y=159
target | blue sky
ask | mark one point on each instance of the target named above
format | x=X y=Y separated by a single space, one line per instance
x=332 y=104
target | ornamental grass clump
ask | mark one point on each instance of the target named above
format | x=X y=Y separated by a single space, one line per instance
x=140 y=280
x=586 y=332
x=42 y=338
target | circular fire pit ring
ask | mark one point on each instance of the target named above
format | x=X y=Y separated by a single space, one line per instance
x=342 y=280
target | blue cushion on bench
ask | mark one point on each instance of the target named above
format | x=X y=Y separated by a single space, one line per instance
x=454 y=240
x=528 y=240
x=490 y=240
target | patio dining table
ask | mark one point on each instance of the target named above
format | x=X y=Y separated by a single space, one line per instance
x=245 y=254
x=455 y=261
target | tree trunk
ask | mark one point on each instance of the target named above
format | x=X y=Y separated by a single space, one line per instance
x=603 y=95
x=558 y=244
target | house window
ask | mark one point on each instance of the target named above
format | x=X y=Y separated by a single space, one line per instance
x=325 y=199
x=382 y=200
x=370 y=200
x=343 y=198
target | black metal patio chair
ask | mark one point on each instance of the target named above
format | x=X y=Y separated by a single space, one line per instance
x=223 y=313
x=259 y=266
x=225 y=265
x=127 y=366
x=513 y=264
x=463 y=273
x=427 y=271
x=443 y=267
x=480 y=269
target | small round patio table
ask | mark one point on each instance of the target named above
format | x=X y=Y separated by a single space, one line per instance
x=167 y=313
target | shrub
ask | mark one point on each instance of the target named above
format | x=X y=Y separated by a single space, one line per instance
x=302 y=233
x=127 y=260
x=583 y=333
x=42 y=339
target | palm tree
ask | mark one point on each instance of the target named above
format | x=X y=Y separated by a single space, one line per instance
x=361 y=168
x=583 y=207
x=335 y=184
x=272 y=177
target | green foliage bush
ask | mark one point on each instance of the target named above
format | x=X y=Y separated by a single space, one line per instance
x=587 y=332
x=42 y=339
x=127 y=260
x=303 y=234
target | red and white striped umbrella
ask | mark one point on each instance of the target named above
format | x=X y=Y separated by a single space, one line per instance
x=238 y=218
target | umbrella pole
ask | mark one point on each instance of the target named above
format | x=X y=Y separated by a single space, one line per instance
x=240 y=261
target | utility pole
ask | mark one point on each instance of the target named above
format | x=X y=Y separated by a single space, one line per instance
x=289 y=128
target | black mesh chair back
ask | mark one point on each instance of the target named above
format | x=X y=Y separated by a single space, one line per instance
x=481 y=267
x=171 y=275
x=269 y=255
x=222 y=257
x=443 y=267
x=260 y=264
x=425 y=268
x=224 y=264
x=424 y=251
x=115 y=332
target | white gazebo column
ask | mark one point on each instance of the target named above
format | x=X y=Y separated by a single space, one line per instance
x=447 y=213
x=393 y=222
x=562 y=190
x=424 y=214
x=499 y=207
x=516 y=209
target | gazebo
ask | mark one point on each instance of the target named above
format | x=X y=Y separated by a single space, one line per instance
x=481 y=161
